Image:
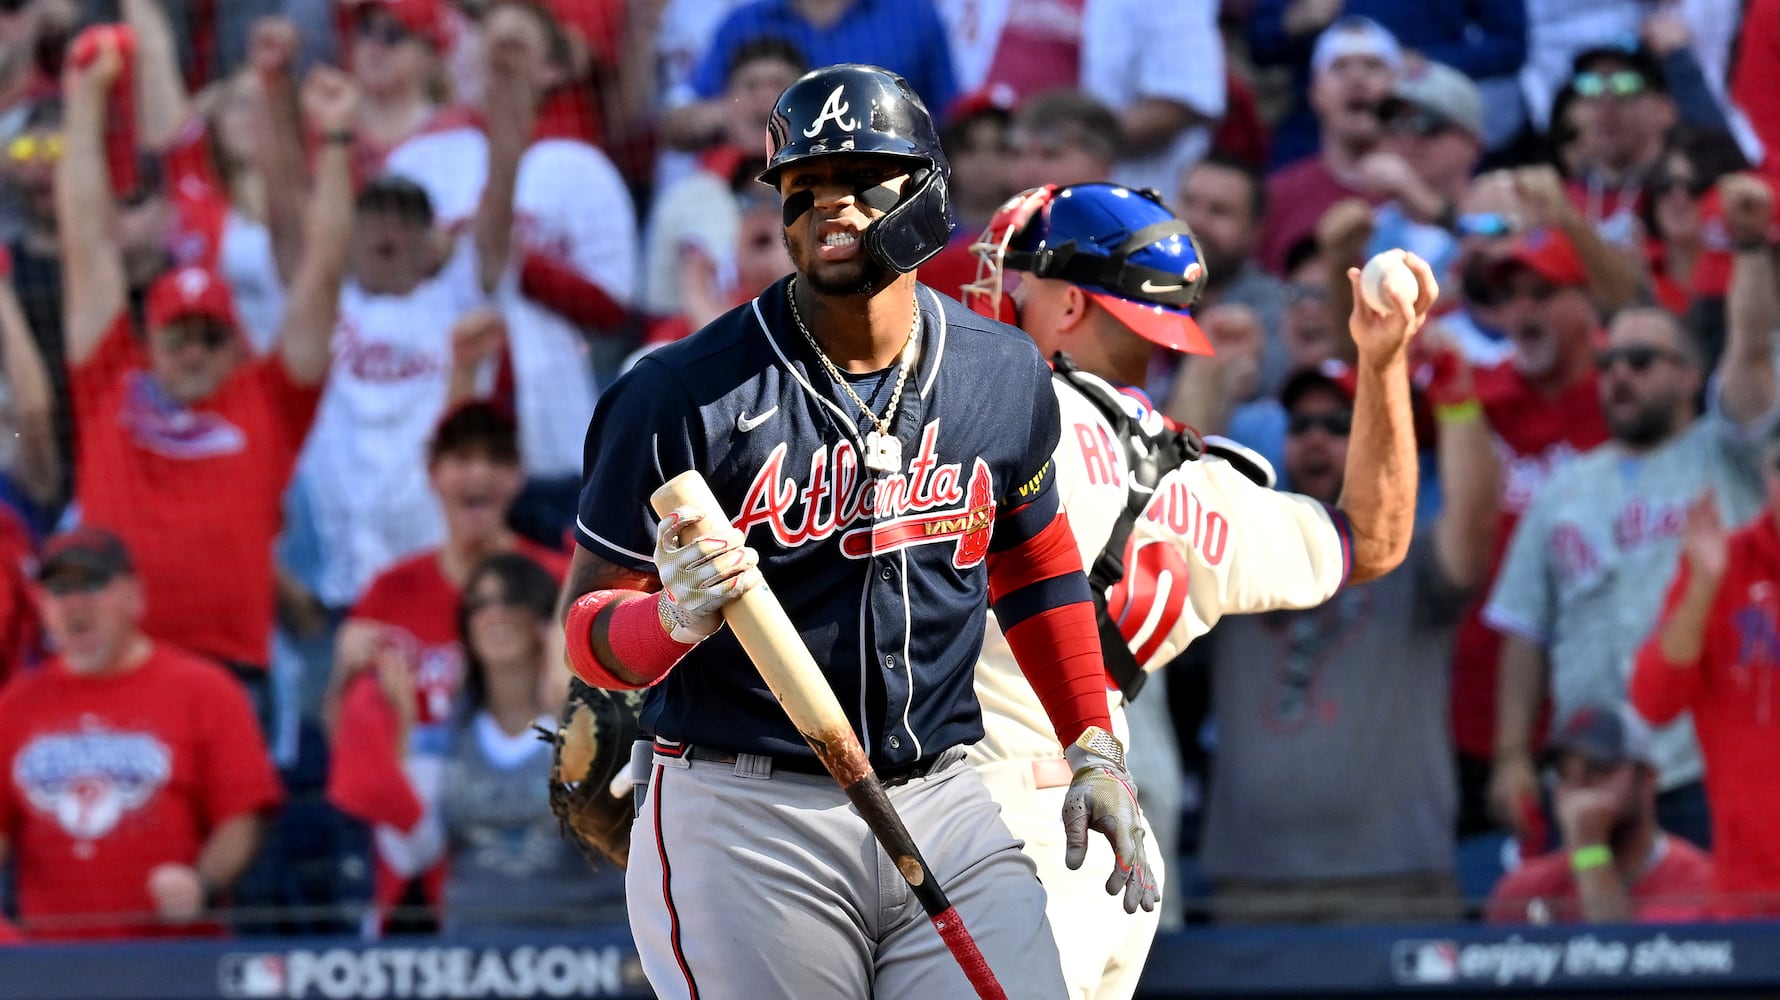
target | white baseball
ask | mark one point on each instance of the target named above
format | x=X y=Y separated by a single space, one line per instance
x=1387 y=279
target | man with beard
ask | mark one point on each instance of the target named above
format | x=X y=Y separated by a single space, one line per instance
x=1544 y=407
x=1617 y=865
x=1586 y=569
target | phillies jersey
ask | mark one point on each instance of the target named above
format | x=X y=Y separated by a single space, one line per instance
x=883 y=574
x=1210 y=542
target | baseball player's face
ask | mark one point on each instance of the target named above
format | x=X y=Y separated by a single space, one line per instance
x=826 y=242
x=90 y=623
x=191 y=357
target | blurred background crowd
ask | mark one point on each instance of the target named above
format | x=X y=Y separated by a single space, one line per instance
x=305 y=304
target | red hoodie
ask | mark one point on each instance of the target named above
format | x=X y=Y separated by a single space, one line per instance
x=1735 y=701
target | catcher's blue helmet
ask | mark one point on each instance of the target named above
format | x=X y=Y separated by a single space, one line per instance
x=1123 y=247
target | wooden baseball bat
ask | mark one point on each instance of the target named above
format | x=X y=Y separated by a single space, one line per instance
x=778 y=652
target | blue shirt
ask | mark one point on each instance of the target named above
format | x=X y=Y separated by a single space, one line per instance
x=903 y=36
x=883 y=575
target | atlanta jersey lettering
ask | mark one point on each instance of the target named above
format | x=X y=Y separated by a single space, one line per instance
x=1211 y=542
x=876 y=569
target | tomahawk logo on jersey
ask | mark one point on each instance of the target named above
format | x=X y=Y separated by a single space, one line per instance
x=975 y=477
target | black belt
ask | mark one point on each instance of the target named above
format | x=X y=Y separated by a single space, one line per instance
x=813 y=765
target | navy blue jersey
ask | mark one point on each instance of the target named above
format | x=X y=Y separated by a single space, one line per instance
x=883 y=575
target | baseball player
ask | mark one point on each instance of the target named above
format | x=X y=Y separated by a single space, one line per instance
x=885 y=455
x=1098 y=275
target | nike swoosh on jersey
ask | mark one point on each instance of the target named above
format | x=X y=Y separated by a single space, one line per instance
x=745 y=423
x=1150 y=286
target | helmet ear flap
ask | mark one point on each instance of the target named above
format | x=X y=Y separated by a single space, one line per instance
x=917 y=228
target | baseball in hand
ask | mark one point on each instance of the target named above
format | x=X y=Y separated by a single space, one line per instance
x=1385 y=280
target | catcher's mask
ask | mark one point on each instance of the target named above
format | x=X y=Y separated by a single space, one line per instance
x=1123 y=247
x=858 y=109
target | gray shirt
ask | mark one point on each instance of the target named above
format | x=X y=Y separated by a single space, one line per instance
x=1334 y=755
x=1589 y=563
x=510 y=866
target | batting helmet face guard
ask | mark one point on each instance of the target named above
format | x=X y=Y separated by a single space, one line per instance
x=1122 y=247
x=864 y=110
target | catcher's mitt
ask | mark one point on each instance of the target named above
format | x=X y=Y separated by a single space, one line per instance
x=592 y=747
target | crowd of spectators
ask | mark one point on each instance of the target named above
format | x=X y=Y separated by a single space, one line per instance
x=305 y=305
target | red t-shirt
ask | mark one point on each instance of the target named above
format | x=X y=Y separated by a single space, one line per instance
x=1678 y=888
x=1535 y=434
x=418 y=607
x=107 y=777
x=195 y=492
x=1731 y=691
x=1297 y=196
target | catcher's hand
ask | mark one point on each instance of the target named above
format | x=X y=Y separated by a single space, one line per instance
x=1104 y=797
x=589 y=786
x=700 y=577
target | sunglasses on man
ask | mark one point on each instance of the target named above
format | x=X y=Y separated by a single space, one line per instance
x=1486 y=224
x=1622 y=83
x=1337 y=424
x=1638 y=358
x=386 y=31
x=34 y=148
x=1418 y=123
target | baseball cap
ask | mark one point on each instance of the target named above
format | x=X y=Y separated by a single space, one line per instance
x=1549 y=254
x=88 y=553
x=996 y=99
x=190 y=292
x=1355 y=36
x=1333 y=375
x=399 y=196
x=424 y=19
x=1443 y=91
x=1604 y=734
x=1626 y=49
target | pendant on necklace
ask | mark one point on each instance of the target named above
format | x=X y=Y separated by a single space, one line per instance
x=883 y=452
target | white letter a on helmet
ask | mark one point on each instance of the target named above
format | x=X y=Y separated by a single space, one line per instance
x=833 y=110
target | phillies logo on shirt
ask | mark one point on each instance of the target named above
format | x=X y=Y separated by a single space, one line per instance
x=166 y=428
x=898 y=503
x=1758 y=627
x=91 y=779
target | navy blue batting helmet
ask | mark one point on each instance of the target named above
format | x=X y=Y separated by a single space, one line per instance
x=853 y=108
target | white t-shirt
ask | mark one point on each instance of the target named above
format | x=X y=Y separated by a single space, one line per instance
x=1136 y=48
x=1210 y=543
x=363 y=466
x=570 y=205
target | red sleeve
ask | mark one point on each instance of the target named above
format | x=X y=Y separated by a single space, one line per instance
x=1661 y=690
x=1046 y=611
x=238 y=777
x=563 y=290
x=365 y=777
x=118 y=352
x=293 y=405
x=1758 y=66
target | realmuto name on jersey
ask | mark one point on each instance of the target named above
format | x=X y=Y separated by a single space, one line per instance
x=930 y=502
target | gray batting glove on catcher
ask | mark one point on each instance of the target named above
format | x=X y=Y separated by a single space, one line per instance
x=700 y=577
x=1103 y=796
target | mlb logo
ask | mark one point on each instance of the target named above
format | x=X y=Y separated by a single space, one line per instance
x=252 y=976
x=1425 y=961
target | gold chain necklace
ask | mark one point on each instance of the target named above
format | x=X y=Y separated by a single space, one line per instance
x=883 y=452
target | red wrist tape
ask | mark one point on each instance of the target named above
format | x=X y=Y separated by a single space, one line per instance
x=633 y=633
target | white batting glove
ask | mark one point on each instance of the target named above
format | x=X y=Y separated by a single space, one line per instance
x=1104 y=797
x=699 y=578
